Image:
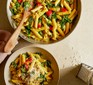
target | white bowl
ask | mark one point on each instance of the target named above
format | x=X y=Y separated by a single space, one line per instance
x=75 y=22
x=54 y=64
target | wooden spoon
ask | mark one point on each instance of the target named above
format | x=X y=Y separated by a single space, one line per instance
x=13 y=39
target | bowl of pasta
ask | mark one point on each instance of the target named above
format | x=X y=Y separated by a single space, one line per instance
x=31 y=66
x=50 y=20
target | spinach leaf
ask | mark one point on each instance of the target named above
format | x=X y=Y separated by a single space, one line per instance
x=40 y=32
x=39 y=53
x=43 y=64
x=26 y=5
x=48 y=63
x=54 y=15
x=42 y=76
x=13 y=10
x=23 y=69
x=39 y=21
x=28 y=30
x=14 y=64
x=28 y=27
x=17 y=5
x=49 y=4
x=25 y=55
x=30 y=19
x=64 y=20
x=68 y=0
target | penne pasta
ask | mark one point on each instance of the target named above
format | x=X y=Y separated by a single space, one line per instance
x=49 y=73
x=35 y=55
x=59 y=17
x=67 y=6
x=74 y=16
x=70 y=26
x=23 y=59
x=62 y=3
x=43 y=12
x=72 y=13
x=20 y=62
x=36 y=20
x=31 y=66
x=46 y=38
x=56 y=2
x=67 y=28
x=63 y=13
x=60 y=31
x=12 y=4
x=16 y=81
x=47 y=20
x=54 y=29
x=17 y=60
x=36 y=9
x=46 y=27
x=45 y=83
x=36 y=33
x=48 y=78
x=17 y=16
x=55 y=9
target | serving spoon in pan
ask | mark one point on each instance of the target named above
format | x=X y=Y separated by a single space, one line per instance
x=13 y=39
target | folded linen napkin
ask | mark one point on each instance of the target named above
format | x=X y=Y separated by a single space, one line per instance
x=4 y=36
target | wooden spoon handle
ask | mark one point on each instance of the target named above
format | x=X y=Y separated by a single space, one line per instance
x=13 y=39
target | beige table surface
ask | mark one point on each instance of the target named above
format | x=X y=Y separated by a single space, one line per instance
x=70 y=52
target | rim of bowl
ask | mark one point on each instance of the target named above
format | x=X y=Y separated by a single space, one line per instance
x=37 y=48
